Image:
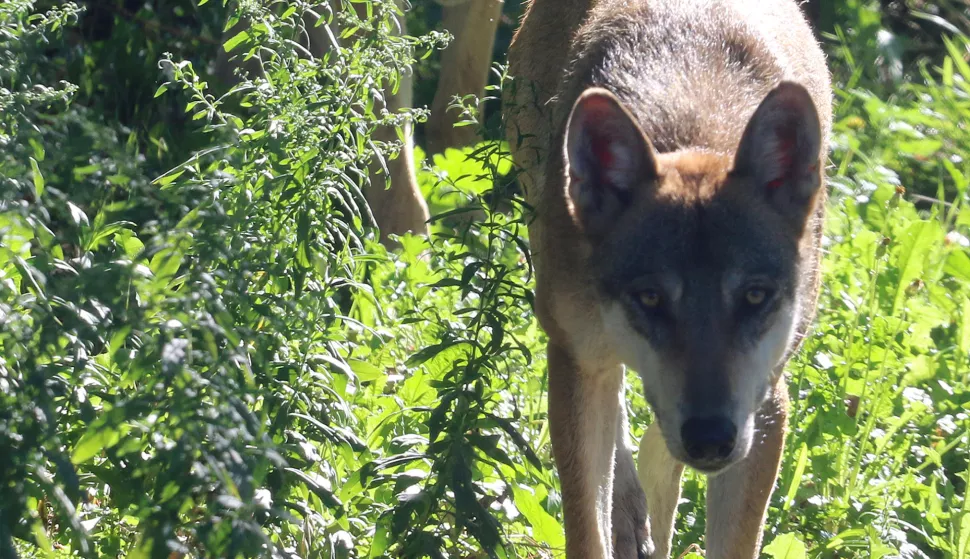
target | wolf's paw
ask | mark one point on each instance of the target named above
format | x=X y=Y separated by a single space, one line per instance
x=632 y=544
x=631 y=533
x=631 y=539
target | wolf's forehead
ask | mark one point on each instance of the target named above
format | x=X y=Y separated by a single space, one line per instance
x=693 y=240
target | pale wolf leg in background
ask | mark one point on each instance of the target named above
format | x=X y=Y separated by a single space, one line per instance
x=464 y=68
x=673 y=150
x=399 y=206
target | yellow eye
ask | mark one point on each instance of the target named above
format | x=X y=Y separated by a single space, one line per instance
x=650 y=299
x=755 y=296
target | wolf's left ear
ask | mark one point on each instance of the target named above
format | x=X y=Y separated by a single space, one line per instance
x=780 y=151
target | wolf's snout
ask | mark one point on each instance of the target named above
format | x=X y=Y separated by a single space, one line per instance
x=708 y=439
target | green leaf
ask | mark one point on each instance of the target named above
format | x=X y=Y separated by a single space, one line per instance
x=919 y=239
x=38 y=178
x=545 y=528
x=786 y=546
x=365 y=371
x=958 y=58
x=964 y=336
x=235 y=41
x=318 y=485
x=132 y=245
x=958 y=265
x=303 y=239
x=796 y=479
x=165 y=264
x=161 y=89
x=380 y=542
x=93 y=442
x=39 y=152
x=77 y=214
x=426 y=353
x=143 y=549
x=40 y=536
x=963 y=547
x=169 y=177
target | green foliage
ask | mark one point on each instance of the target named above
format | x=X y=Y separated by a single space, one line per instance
x=462 y=461
x=147 y=367
x=204 y=352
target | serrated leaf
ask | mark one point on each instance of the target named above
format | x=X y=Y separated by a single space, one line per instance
x=919 y=239
x=963 y=547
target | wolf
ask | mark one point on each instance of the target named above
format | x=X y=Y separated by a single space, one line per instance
x=674 y=153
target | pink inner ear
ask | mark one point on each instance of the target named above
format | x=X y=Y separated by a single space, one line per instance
x=598 y=113
x=785 y=154
x=601 y=150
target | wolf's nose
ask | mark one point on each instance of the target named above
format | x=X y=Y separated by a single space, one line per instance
x=708 y=438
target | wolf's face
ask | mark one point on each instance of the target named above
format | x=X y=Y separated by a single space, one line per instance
x=702 y=302
x=697 y=261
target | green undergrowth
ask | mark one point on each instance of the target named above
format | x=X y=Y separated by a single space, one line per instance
x=219 y=360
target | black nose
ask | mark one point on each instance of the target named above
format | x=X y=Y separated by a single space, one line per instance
x=708 y=438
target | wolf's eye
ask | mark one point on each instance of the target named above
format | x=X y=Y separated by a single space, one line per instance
x=755 y=296
x=649 y=298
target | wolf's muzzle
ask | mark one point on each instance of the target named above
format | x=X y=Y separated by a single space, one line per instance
x=708 y=440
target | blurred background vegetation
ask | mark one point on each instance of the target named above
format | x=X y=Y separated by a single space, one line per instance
x=204 y=352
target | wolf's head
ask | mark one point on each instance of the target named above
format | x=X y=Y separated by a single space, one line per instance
x=697 y=257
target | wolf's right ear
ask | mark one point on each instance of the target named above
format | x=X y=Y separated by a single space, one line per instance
x=607 y=157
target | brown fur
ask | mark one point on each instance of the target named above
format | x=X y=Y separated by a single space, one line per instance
x=691 y=75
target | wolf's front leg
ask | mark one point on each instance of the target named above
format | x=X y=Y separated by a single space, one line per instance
x=737 y=499
x=583 y=413
x=660 y=477
x=631 y=533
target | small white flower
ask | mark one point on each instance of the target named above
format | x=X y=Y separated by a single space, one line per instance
x=947 y=425
x=954 y=238
x=263 y=498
